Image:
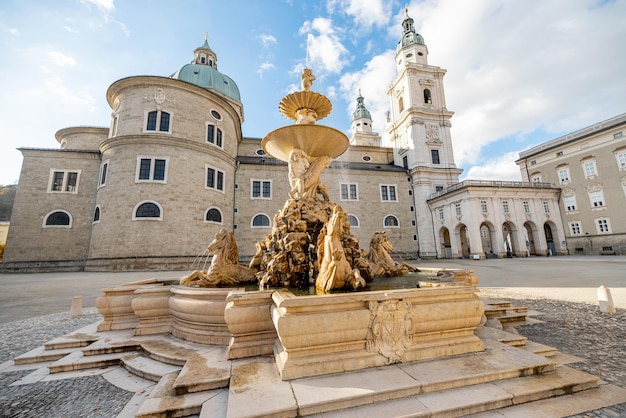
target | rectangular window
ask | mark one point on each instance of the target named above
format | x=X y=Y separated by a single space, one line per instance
x=483 y=206
x=214 y=179
x=546 y=207
x=526 y=206
x=151 y=169
x=348 y=191
x=261 y=189
x=441 y=214
x=575 y=228
x=434 y=154
x=603 y=226
x=152 y=121
x=559 y=154
x=63 y=181
x=102 y=178
x=214 y=135
x=596 y=198
x=158 y=118
x=570 y=203
x=388 y=193
x=564 y=175
x=505 y=206
x=457 y=209
x=590 y=169
x=621 y=160
x=438 y=188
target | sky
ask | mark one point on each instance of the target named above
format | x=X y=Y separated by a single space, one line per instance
x=519 y=72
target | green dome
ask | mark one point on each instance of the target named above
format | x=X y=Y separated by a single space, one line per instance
x=209 y=78
x=203 y=73
x=361 y=112
x=409 y=35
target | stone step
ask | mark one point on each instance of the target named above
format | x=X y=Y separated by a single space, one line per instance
x=491 y=310
x=203 y=372
x=77 y=361
x=79 y=338
x=146 y=367
x=563 y=406
x=541 y=349
x=473 y=399
x=495 y=302
x=42 y=355
x=163 y=401
x=499 y=362
x=502 y=336
x=169 y=350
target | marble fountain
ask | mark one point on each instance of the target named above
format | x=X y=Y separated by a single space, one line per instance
x=242 y=341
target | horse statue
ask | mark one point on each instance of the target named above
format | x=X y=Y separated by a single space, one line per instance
x=335 y=272
x=380 y=261
x=225 y=269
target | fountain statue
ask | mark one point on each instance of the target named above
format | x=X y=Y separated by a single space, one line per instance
x=225 y=269
x=311 y=235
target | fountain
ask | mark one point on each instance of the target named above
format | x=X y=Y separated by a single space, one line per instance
x=230 y=350
x=311 y=243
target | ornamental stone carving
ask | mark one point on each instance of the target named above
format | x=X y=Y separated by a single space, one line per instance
x=391 y=324
x=432 y=132
x=594 y=187
x=568 y=191
x=417 y=121
x=159 y=96
x=427 y=82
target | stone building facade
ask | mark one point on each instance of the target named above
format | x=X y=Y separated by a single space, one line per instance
x=173 y=168
x=589 y=165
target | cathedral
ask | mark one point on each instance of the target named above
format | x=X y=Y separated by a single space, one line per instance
x=173 y=168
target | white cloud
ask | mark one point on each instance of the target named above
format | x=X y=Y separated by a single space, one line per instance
x=266 y=66
x=374 y=91
x=103 y=5
x=365 y=13
x=61 y=59
x=70 y=29
x=502 y=168
x=267 y=40
x=515 y=68
x=326 y=53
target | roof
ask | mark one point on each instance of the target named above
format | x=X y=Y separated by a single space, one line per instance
x=209 y=78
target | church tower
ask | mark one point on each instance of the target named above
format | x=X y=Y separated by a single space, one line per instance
x=419 y=129
x=362 y=133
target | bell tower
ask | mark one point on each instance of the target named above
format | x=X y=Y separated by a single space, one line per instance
x=419 y=129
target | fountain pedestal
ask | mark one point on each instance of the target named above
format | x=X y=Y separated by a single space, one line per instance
x=327 y=334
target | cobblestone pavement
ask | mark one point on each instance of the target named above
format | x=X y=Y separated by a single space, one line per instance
x=581 y=330
x=574 y=328
x=89 y=396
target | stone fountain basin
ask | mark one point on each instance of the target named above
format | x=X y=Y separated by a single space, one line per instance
x=315 y=140
x=308 y=335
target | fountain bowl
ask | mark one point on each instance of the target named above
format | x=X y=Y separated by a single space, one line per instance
x=315 y=140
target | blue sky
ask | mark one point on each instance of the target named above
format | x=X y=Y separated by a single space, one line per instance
x=520 y=72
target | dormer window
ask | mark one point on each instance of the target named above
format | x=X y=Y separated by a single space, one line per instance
x=203 y=60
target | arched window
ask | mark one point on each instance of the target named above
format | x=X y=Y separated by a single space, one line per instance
x=354 y=221
x=400 y=104
x=96 y=214
x=213 y=215
x=391 y=221
x=148 y=210
x=427 y=97
x=58 y=218
x=261 y=221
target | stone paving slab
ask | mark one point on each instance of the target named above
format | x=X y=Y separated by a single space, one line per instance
x=345 y=390
x=257 y=391
x=600 y=397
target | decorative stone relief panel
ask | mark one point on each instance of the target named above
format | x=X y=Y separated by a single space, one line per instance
x=389 y=333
